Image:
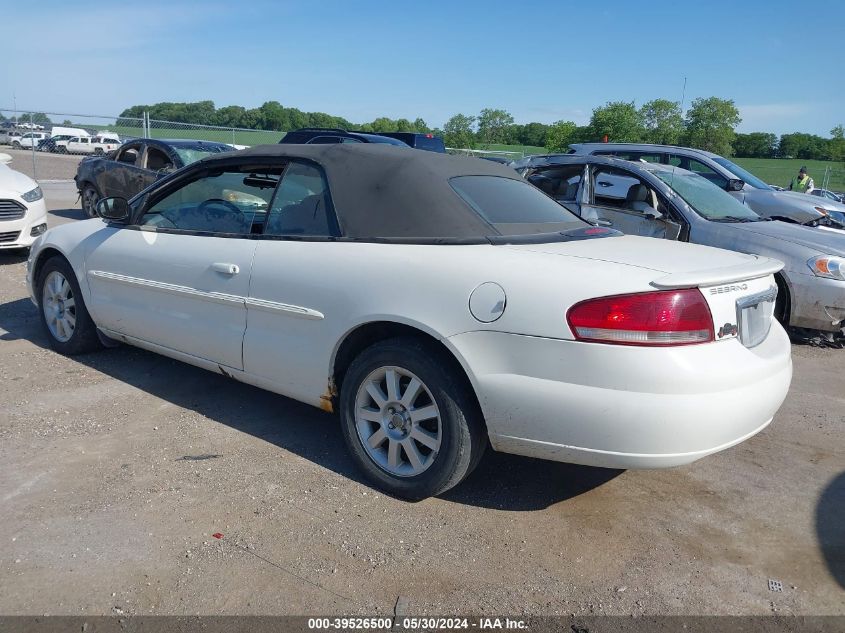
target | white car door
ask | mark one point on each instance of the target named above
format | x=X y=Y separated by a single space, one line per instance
x=180 y=277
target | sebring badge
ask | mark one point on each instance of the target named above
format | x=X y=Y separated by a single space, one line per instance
x=732 y=288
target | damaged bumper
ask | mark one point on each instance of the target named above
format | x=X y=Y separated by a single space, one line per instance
x=817 y=303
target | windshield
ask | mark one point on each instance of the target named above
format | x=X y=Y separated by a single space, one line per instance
x=514 y=207
x=739 y=172
x=191 y=154
x=705 y=198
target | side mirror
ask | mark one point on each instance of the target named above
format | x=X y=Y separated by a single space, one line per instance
x=735 y=184
x=113 y=209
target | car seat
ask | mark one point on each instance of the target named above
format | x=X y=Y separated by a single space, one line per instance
x=636 y=199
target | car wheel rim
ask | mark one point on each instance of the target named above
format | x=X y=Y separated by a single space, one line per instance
x=398 y=421
x=59 y=306
x=90 y=200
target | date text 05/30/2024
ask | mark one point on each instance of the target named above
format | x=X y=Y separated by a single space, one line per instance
x=416 y=624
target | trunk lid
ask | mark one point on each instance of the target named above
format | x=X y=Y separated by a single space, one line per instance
x=740 y=289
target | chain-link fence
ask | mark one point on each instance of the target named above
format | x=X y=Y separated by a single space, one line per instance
x=49 y=145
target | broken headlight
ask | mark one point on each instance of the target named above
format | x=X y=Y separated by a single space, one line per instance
x=827 y=266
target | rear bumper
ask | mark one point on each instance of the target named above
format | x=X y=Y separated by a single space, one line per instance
x=817 y=303
x=624 y=407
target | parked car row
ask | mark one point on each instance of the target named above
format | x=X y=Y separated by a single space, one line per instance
x=665 y=201
x=61 y=140
x=438 y=304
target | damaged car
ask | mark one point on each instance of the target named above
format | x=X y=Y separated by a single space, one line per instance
x=657 y=200
x=135 y=165
x=763 y=199
x=446 y=308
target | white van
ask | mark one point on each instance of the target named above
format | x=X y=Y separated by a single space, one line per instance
x=68 y=131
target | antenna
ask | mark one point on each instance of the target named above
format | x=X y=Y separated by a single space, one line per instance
x=683 y=100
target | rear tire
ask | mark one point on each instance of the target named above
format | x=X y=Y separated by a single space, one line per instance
x=782 y=303
x=64 y=316
x=420 y=437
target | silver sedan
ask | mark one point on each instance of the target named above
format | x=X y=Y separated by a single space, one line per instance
x=667 y=202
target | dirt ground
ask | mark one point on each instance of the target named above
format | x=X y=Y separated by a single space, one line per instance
x=117 y=468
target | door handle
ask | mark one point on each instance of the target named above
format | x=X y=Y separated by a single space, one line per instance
x=226 y=269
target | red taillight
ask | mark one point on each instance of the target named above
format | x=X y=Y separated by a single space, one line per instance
x=669 y=317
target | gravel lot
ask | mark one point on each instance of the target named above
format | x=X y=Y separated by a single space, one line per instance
x=47 y=166
x=118 y=467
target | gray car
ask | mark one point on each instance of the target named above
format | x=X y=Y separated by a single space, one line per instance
x=763 y=199
x=667 y=202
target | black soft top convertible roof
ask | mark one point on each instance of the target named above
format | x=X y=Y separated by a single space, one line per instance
x=383 y=191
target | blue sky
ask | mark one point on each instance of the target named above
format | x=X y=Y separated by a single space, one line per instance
x=542 y=61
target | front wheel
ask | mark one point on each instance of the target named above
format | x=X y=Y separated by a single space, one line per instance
x=409 y=420
x=16 y=145
x=64 y=316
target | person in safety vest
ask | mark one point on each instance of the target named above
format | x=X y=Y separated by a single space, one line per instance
x=802 y=183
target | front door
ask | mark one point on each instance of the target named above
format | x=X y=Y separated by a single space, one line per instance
x=121 y=177
x=180 y=276
x=620 y=200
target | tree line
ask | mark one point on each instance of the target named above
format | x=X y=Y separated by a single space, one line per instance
x=709 y=123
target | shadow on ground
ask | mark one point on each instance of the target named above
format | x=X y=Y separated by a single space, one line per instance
x=830 y=527
x=71 y=214
x=504 y=482
x=13 y=256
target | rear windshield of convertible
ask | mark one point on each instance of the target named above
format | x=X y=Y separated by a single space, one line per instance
x=505 y=201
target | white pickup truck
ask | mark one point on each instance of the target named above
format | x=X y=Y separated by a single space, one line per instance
x=92 y=145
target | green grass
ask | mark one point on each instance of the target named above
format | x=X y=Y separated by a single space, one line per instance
x=523 y=149
x=780 y=171
x=239 y=137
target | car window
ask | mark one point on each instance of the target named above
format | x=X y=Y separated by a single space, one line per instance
x=193 y=154
x=157 y=160
x=697 y=167
x=325 y=140
x=709 y=201
x=129 y=154
x=502 y=201
x=561 y=182
x=619 y=189
x=302 y=205
x=229 y=202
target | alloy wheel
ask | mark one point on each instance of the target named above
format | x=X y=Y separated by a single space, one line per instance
x=59 y=306
x=398 y=421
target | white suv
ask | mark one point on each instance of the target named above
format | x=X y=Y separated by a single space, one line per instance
x=29 y=140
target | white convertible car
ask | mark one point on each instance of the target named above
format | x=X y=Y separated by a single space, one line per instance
x=435 y=302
